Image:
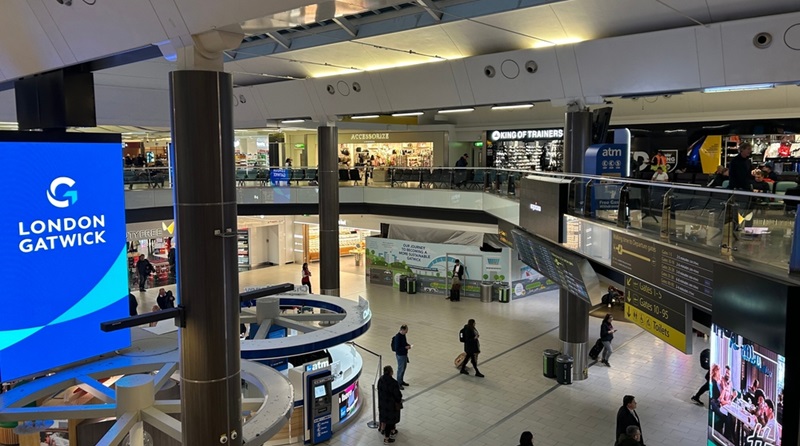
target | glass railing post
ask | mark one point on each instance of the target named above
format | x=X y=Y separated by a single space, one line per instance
x=623 y=211
x=587 y=204
x=666 y=215
x=728 y=228
x=794 y=257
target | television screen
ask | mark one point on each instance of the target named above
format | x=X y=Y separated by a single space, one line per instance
x=319 y=391
x=745 y=391
x=64 y=250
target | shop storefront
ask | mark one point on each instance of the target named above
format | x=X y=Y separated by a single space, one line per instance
x=351 y=238
x=390 y=149
x=155 y=240
x=527 y=149
x=261 y=241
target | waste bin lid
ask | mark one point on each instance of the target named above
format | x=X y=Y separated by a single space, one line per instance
x=564 y=358
x=551 y=352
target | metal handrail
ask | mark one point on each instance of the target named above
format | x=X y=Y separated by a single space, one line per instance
x=374 y=423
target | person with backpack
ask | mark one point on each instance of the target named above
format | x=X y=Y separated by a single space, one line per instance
x=705 y=363
x=400 y=347
x=469 y=336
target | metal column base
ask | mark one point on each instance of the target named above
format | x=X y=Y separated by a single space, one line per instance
x=330 y=291
x=580 y=366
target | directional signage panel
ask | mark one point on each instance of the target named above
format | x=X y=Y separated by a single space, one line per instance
x=679 y=272
x=659 y=312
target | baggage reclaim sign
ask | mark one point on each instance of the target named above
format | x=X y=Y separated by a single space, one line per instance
x=659 y=312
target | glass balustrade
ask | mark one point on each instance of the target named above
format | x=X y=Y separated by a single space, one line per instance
x=755 y=228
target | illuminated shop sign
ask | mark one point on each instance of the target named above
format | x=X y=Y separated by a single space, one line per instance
x=521 y=135
x=368 y=136
x=348 y=401
x=64 y=246
x=317 y=365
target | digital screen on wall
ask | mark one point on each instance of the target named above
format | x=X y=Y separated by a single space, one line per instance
x=63 y=248
x=542 y=203
x=348 y=401
x=746 y=391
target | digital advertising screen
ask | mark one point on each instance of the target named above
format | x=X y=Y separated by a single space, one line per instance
x=348 y=401
x=63 y=247
x=746 y=392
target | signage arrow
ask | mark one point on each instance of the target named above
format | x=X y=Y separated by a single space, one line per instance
x=628 y=281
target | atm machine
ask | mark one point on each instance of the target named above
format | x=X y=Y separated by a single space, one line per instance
x=317 y=405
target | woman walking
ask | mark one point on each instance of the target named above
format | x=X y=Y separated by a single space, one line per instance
x=606 y=336
x=306 y=280
x=390 y=402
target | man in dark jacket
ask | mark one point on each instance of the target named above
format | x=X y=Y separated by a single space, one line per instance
x=401 y=348
x=133 y=304
x=144 y=268
x=472 y=347
x=631 y=437
x=740 y=169
x=165 y=299
x=627 y=416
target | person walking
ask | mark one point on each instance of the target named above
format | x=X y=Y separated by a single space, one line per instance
x=740 y=169
x=627 y=416
x=606 y=336
x=526 y=439
x=455 y=284
x=144 y=268
x=631 y=437
x=390 y=403
x=472 y=347
x=306 y=280
x=705 y=363
x=133 y=304
x=400 y=346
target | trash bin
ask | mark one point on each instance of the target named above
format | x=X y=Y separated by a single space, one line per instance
x=549 y=362
x=564 y=369
x=411 y=285
x=504 y=294
x=486 y=292
x=402 y=282
x=357 y=256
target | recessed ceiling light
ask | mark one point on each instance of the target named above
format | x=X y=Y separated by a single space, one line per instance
x=408 y=114
x=457 y=110
x=738 y=88
x=292 y=121
x=364 y=117
x=511 y=107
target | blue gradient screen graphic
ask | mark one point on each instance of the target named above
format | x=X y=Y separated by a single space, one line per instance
x=62 y=252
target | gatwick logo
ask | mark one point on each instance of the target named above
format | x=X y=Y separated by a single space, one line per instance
x=67 y=198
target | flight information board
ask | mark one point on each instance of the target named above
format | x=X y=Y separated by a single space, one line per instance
x=567 y=270
x=679 y=272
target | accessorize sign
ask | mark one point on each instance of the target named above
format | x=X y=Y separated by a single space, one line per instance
x=64 y=246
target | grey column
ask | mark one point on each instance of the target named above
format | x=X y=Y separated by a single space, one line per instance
x=573 y=312
x=327 y=138
x=207 y=270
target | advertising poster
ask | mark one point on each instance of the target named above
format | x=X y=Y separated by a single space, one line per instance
x=746 y=392
x=530 y=282
x=348 y=402
x=432 y=265
x=64 y=251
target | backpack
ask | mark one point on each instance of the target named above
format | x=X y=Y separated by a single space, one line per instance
x=705 y=359
x=461 y=335
x=394 y=340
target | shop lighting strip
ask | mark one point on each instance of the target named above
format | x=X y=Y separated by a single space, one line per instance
x=397 y=115
x=511 y=107
x=738 y=88
x=457 y=110
x=365 y=117
x=292 y=121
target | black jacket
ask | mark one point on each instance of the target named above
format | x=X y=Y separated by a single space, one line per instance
x=624 y=419
x=605 y=332
x=471 y=343
x=390 y=400
x=166 y=301
x=144 y=267
x=458 y=270
x=400 y=343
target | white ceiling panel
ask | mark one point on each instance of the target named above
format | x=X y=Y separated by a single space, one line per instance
x=431 y=40
x=474 y=39
x=591 y=19
x=723 y=10
x=274 y=66
x=108 y=27
x=202 y=15
x=24 y=46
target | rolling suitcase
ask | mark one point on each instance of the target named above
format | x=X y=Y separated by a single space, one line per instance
x=460 y=360
x=595 y=351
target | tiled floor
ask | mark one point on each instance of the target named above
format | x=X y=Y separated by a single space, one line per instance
x=445 y=408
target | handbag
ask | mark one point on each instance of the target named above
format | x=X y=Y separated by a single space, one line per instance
x=456 y=280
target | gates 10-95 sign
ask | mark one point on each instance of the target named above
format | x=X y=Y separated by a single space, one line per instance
x=63 y=250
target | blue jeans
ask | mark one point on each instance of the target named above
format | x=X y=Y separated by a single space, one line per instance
x=607 y=350
x=402 y=360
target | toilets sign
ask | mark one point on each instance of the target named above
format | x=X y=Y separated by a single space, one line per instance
x=64 y=247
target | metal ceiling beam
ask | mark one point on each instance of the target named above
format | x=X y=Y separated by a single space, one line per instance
x=428 y=6
x=346 y=25
x=403 y=19
x=280 y=40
